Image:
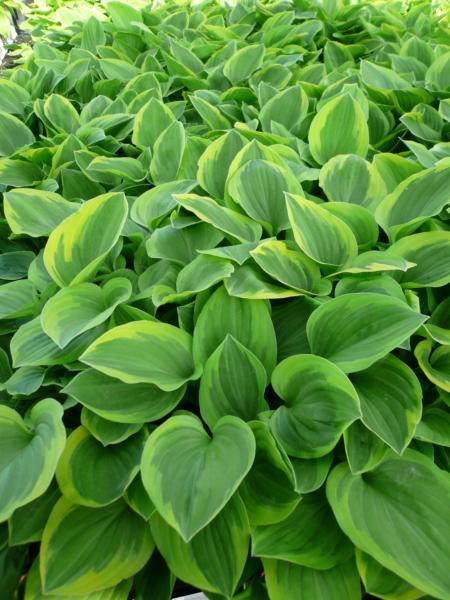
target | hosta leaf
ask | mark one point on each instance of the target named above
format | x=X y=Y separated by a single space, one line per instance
x=109 y=544
x=268 y=490
x=320 y=403
x=410 y=491
x=383 y=583
x=13 y=97
x=202 y=273
x=292 y=268
x=61 y=114
x=229 y=221
x=30 y=452
x=216 y=160
x=350 y=178
x=430 y=251
x=436 y=366
x=248 y=321
x=107 y=432
x=419 y=196
x=243 y=63
x=201 y=561
x=181 y=449
x=356 y=330
x=287 y=581
x=27 y=523
x=338 y=128
x=167 y=153
x=75 y=250
x=36 y=212
x=252 y=283
x=438 y=326
x=434 y=427
x=309 y=536
x=233 y=383
x=310 y=473
x=150 y=122
x=91 y=474
x=123 y=352
x=364 y=450
x=359 y=220
x=15 y=135
x=391 y=400
x=159 y=201
x=288 y=107
x=81 y=307
x=34 y=591
x=258 y=186
x=17 y=299
x=324 y=237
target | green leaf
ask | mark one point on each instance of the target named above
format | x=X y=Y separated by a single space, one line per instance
x=356 y=330
x=391 y=400
x=359 y=220
x=229 y=221
x=107 y=432
x=215 y=162
x=290 y=267
x=252 y=283
x=415 y=199
x=288 y=107
x=123 y=352
x=350 y=178
x=248 y=321
x=159 y=201
x=434 y=427
x=102 y=168
x=36 y=212
x=243 y=63
x=258 y=186
x=309 y=536
x=167 y=153
x=320 y=403
x=339 y=127
x=15 y=265
x=153 y=118
x=30 y=452
x=121 y=402
x=287 y=581
x=436 y=365
x=181 y=450
x=310 y=473
x=108 y=544
x=15 y=135
x=233 y=383
x=322 y=236
x=383 y=583
x=13 y=97
x=202 y=561
x=81 y=307
x=75 y=250
x=17 y=299
x=430 y=251
x=364 y=450
x=91 y=474
x=61 y=114
x=210 y=114
x=411 y=492
x=34 y=591
x=268 y=490
x=27 y=523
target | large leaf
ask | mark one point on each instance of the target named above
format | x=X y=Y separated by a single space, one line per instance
x=107 y=545
x=411 y=492
x=180 y=449
x=356 y=330
x=248 y=321
x=233 y=383
x=338 y=128
x=320 y=403
x=36 y=212
x=309 y=536
x=391 y=400
x=202 y=562
x=123 y=352
x=76 y=248
x=29 y=453
x=15 y=135
x=322 y=236
x=81 y=307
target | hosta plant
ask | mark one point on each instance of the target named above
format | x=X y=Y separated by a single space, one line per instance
x=224 y=312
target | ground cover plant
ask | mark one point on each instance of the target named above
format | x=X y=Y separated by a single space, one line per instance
x=224 y=312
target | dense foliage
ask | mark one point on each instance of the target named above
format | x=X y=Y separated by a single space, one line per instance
x=224 y=312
